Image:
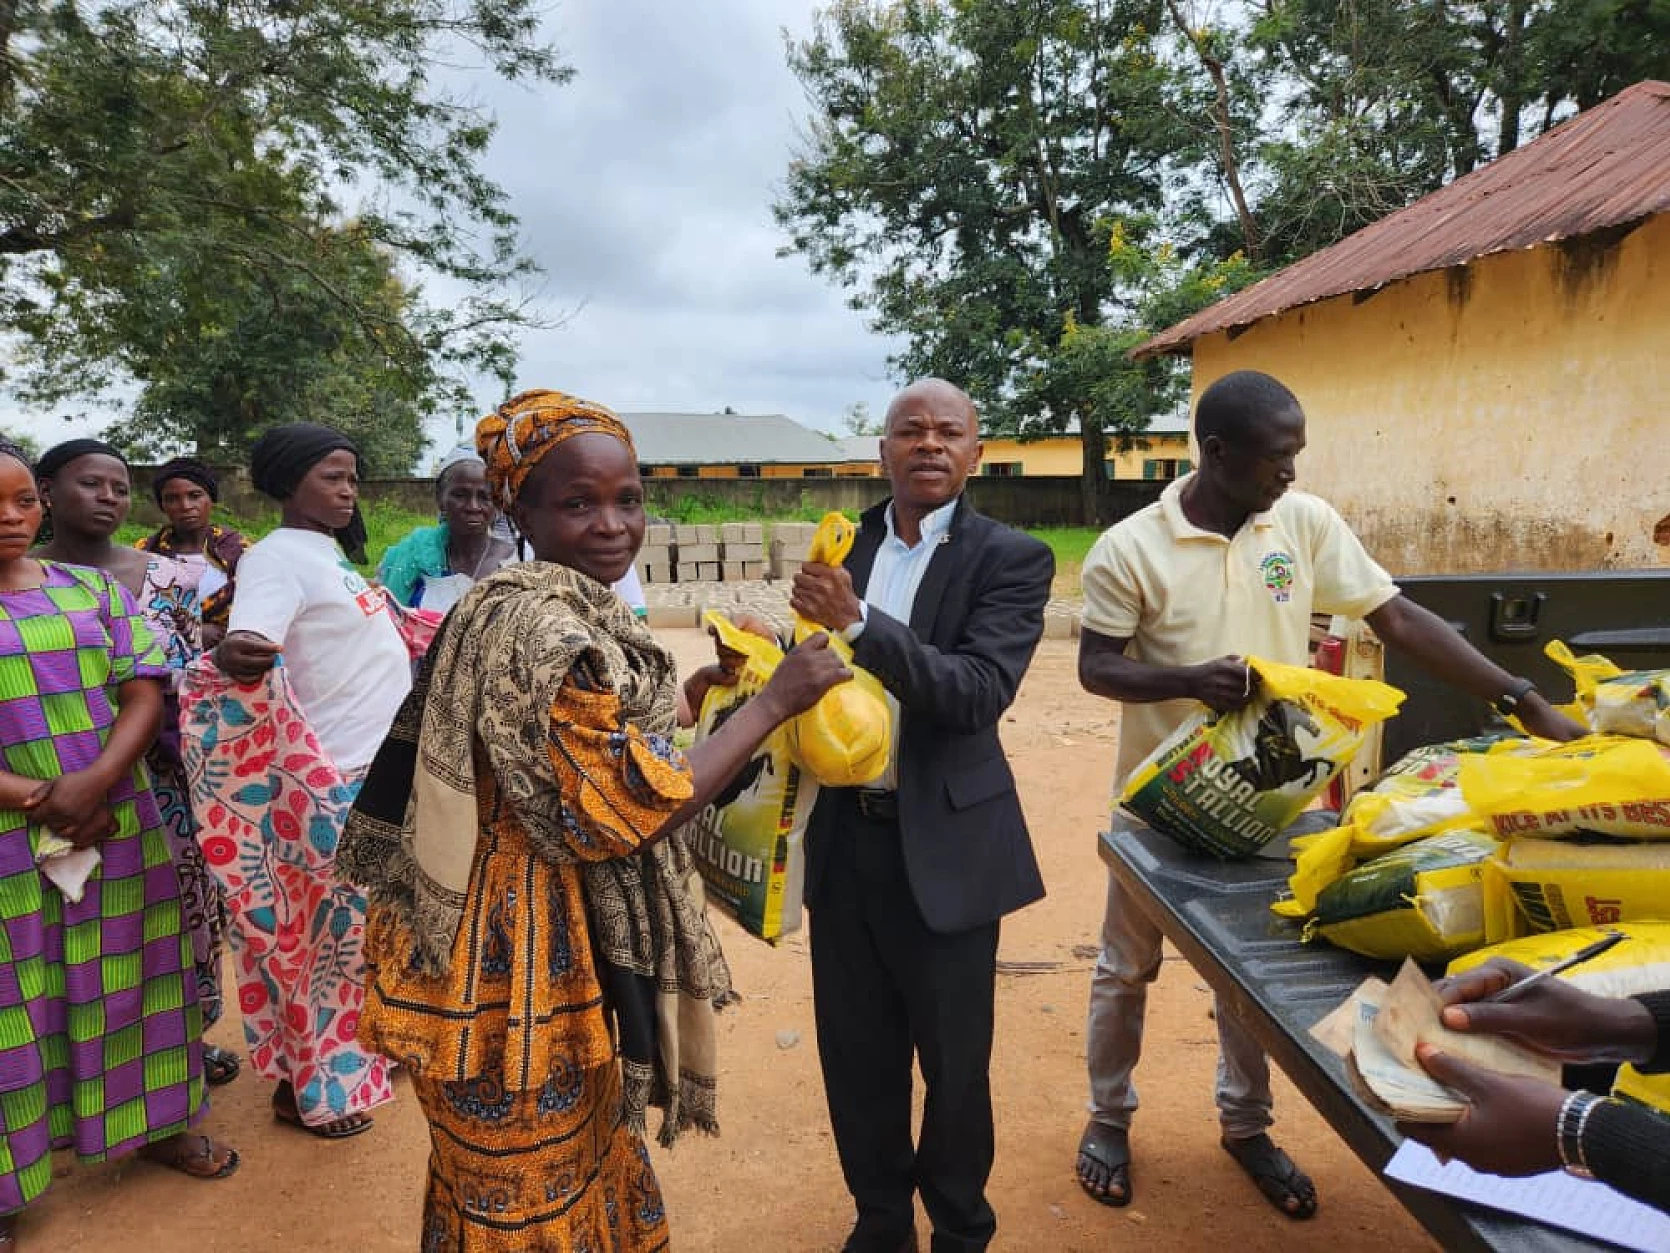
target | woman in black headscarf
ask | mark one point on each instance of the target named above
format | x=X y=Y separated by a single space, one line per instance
x=88 y=479
x=348 y=668
x=186 y=491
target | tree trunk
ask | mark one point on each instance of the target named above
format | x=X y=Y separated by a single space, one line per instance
x=1093 y=480
x=1223 y=123
x=1513 y=70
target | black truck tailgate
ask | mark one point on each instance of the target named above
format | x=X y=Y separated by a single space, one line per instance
x=1623 y=615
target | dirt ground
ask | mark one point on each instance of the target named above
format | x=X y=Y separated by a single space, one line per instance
x=770 y=1183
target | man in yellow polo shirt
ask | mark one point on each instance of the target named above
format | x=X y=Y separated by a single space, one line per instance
x=1228 y=563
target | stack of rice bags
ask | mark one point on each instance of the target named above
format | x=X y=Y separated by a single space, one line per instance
x=1465 y=844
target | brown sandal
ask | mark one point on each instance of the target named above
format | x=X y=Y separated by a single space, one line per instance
x=201 y=1162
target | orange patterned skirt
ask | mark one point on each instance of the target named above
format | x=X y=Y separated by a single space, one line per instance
x=549 y=1170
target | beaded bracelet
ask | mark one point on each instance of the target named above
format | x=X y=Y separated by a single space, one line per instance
x=1568 y=1130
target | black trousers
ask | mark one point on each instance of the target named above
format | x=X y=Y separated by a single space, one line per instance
x=886 y=988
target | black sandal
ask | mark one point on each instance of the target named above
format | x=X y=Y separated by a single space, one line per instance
x=344 y=1128
x=220 y=1066
x=1108 y=1148
x=1283 y=1184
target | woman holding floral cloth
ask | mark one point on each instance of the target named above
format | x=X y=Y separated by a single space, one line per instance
x=530 y=917
x=273 y=805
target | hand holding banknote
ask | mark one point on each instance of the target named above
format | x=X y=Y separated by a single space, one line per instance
x=1553 y=1017
x=1507 y=1127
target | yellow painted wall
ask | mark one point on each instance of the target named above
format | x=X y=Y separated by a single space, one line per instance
x=1510 y=418
x=766 y=471
x=1064 y=455
x=1039 y=457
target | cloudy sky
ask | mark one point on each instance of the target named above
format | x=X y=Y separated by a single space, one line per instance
x=644 y=188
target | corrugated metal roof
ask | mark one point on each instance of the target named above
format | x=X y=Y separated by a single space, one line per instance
x=670 y=439
x=1608 y=166
x=1174 y=423
x=860 y=447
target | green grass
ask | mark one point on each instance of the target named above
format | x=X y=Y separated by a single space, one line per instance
x=697 y=509
x=1071 y=545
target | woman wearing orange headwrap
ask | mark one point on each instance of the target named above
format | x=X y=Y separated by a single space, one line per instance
x=540 y=955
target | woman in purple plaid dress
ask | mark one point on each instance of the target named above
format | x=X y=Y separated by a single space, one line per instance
x=100 y=1027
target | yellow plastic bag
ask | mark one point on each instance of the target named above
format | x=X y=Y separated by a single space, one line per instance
x=1229 y=784
x=1614 y=701
x=1424 y=900
x=1586 y=672
x=844 y=740
x=749 y=842
x=1605 y=784
x=1416 y=797
x=1640 y=964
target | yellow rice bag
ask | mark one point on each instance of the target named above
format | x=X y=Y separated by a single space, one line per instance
x=846 y=738
x=1416 y=797
x=1554 y=885
x=1423 y=900
x=1229 y=784
x=1605 y=784
x=1640 y=964
x=749 y=842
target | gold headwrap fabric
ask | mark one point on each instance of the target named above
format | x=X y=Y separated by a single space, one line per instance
x=515 y=437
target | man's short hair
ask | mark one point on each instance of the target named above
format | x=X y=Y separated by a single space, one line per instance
x=1238 y=403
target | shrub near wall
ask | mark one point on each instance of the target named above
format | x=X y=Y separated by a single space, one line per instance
x=1026 y=502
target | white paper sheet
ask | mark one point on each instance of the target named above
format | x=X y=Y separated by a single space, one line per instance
x=1558 y=1199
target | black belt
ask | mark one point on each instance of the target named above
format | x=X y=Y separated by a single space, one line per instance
x=877 y=805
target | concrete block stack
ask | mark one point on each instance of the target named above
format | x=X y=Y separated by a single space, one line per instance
x=741 y=551
x=790 y=544
x=656 y=557
x=698 y=553
x=731 y=552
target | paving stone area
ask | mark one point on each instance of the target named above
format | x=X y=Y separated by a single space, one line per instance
x=682 y=605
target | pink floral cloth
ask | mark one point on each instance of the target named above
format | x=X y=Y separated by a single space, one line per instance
x=270 y=805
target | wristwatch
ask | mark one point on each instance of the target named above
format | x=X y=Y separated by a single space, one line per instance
x=1508 y=703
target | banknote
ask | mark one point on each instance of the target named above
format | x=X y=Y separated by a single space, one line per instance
x=1409 y=1015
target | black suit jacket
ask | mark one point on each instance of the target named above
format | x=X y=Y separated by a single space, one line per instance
x=975 y=623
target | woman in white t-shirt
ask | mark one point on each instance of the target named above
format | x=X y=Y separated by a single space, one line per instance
x=349 y=669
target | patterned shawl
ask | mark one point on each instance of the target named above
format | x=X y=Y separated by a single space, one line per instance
x=222 y=546
x=515 y=669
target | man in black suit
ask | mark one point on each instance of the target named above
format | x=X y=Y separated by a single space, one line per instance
x=906 y=878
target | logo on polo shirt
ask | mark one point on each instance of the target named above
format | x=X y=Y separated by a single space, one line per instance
x=1277 y=569
x=368 y=598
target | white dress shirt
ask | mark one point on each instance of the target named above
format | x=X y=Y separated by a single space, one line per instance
x=894 y=580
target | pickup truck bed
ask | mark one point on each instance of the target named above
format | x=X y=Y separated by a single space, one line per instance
x=1218 y=915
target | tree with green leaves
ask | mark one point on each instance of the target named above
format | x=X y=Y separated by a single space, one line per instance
x=980 y=173
x=185 y=184
x=257 y=349
x=1341 y=114
x=1025 y=190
